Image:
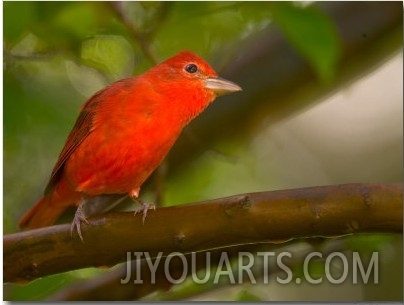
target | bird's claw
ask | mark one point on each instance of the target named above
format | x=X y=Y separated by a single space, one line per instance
x=79 y=217
x=144 y=207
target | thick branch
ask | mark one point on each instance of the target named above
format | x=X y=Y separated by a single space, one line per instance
x=249 y=218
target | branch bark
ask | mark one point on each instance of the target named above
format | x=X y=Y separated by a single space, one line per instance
x=276 y=216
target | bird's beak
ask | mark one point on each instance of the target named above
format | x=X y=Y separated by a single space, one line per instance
x=221 y=86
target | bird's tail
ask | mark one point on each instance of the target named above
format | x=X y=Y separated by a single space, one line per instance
x=42 y=214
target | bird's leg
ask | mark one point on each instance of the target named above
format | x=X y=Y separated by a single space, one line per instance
x=144 y=206
x=79 y=217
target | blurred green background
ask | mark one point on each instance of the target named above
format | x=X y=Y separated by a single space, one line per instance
x=322 y=103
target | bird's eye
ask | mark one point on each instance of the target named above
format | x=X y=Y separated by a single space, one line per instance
x=191 y=68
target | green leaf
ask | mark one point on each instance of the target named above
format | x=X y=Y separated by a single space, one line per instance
x=109 y=53
x=38 y=289
x=312 y=33
x=76 y=19
x=85 y=80
x=368 y=243
x=15 y=27
x=246 y=296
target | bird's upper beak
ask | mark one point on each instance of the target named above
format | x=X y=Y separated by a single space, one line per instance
x=221 y=86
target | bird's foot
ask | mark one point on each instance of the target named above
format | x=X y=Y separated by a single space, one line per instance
x=79 y=217
x=144 y=207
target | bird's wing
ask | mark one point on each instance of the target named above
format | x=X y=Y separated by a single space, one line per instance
x=82 y=128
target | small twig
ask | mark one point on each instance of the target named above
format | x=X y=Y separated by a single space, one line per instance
x=100 y=288
x=141 y=38
x=159 y=178
x=298 y=254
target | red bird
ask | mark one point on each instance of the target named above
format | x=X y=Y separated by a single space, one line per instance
x=123 y=133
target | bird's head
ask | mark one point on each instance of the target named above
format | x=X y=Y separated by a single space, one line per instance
x=189 y=83
x=189 y=70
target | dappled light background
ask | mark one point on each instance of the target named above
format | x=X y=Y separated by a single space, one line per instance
x=329 y=127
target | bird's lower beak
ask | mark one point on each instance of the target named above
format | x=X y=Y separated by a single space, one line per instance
x=221 y=86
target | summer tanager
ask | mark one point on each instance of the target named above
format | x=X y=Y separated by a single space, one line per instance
x=123 y=133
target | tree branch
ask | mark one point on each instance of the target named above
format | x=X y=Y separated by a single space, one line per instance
x=142 y=38
x=276 y=216
x=108 y=287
